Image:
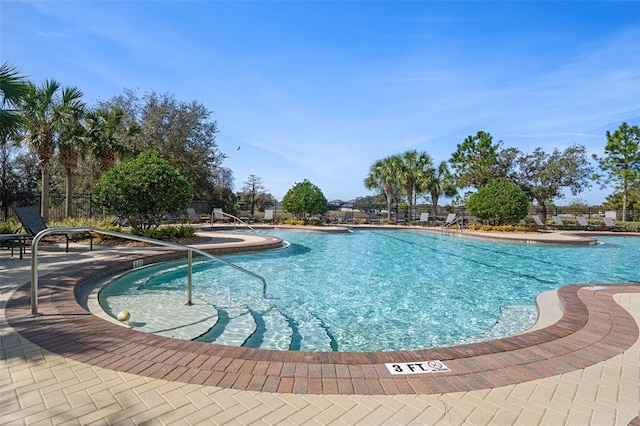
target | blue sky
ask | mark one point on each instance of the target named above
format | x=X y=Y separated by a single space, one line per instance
x=321 y=90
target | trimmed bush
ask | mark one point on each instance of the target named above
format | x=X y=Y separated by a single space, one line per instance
x=501 y=202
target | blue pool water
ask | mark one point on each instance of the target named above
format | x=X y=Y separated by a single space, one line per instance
x=367 y=290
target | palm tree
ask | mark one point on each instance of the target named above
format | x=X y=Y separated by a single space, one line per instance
x=106 y=134
x=413 y=167
x=383 y=175
x=46 y=111
x=70 y=141
x=38 y=109
x=438 y=181
x=13 y=88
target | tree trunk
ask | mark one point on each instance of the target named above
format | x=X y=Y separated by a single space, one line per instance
x=543 y=208
x=410 y=204
x=434 y=207
x=624 y=200
x=44 y=197
x=69 y=194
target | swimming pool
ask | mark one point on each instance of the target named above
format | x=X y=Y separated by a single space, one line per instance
x=366 y=290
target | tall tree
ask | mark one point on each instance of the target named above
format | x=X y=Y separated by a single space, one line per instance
x=252 y=189
x=108 y=135
x=44 y=109
x=13 y=88
x=412 y=167
x=543 y=176
x=383 y=176
x=437 y=182
x=184 y=134
x=621 y=161
x=71 y=139
x=474 y=160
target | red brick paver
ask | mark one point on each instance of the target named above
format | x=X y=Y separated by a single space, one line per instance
x=593 y=328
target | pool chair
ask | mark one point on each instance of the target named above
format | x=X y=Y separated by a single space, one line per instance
x=611 y=225
x=583 y=224
x=539 y=223
x=219 y=216
x=32 y=223
x=348 y=217
x=192 y=216
x=559 y=224
x=424 y=219
x=374 y=217
x=451 y=219
x=268 y=215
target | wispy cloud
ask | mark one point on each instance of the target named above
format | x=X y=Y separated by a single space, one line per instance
x=321 y=90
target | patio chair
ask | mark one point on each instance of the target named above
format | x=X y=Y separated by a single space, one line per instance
x=192 y=216
x=348 y=217
x=218 y=215
x=611 y=225
x=538 y=221
x=559 y=223
x=424 y=218
x=33 y=223
x=582 y=223
x=374 y=217
x=451 y=219
x=268 y=215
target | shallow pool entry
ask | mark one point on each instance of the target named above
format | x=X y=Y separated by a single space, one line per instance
x=365 y=291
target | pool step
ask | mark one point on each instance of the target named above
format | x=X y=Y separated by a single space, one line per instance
x=232 y=328
x=271 y=329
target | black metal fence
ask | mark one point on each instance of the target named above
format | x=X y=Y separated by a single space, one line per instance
x=81 y=204
x=84 y=207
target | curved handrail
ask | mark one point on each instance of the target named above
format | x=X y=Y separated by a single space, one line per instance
x=45 y=232
x=235 y=217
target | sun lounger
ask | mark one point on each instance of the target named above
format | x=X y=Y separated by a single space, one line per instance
x=424 y=218
x=451 y=219
x=33 y=223
x=582 y=223
x=538 y=221
x=559 y=223
x=374 y=217
x=268 y=215
x=611 y=225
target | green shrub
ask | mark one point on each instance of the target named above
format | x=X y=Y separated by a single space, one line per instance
x=8 y=227
x=501 y=202
x=304 y=200
x=166 y=233
x=143 y=190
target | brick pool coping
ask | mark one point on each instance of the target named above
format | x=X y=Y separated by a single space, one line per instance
x=593 y=328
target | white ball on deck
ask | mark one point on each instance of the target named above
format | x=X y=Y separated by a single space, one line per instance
x=123 y=316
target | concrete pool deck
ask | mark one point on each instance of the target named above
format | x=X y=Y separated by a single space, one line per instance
x=583 y=370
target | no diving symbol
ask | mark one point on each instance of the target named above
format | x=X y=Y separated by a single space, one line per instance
x=417 y=367
x=437 y=366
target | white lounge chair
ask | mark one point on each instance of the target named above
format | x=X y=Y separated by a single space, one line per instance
x=424 y=218
x=268 y=215
x=451 y=219
x=217 y=215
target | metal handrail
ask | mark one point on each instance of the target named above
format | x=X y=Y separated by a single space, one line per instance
x=45 y=232
x=235 y=218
